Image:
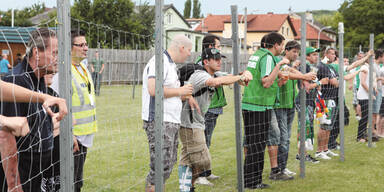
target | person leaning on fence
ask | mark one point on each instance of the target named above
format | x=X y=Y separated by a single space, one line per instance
x=363 y=96
x=97 y=68
x=284 y=113
x=258 y=100
x=195 y=157
x=215 y=109
x=380 y=127
x=330 y=94
x=178 y=52
x=35 y=149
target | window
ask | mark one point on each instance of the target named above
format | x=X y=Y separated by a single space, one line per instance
x=169 y=18
x=282 y=30
x=287 y=31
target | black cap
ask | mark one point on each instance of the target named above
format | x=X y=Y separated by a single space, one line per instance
x=211 y=53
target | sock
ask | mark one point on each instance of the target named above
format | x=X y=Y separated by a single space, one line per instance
x=275 y=170
x=185 y=178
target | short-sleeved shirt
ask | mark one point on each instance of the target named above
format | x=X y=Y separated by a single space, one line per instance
x=4 y=66
x=191 y=118
x=172 y=105
x=40 y=138
x=362 y=94
x=328 y=91
x=97 y=63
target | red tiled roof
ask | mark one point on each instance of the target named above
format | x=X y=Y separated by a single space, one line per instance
x=312 y=32
x=260 y=22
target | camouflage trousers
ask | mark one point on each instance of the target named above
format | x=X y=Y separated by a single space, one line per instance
x=169 y=151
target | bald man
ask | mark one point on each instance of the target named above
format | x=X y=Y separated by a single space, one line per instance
x=178 y=52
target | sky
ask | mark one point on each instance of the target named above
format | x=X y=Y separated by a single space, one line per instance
x=216 y=6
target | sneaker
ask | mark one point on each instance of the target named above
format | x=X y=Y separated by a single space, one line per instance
x=322 y=155
x=259 y=186
x=330 y=153
x=213 y=177
x=288 y=172
x=203 y=181
x=280 y=176
x=309 y=158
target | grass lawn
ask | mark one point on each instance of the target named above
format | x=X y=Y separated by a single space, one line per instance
x=119 y=158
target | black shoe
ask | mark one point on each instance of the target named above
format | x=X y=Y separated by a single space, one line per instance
x=259 y=186
x=311 y=159
x=280 y=176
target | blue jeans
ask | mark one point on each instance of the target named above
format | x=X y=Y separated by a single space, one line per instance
x=284 y=119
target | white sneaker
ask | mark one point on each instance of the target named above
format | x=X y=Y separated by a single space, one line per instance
x=330 y=153
x=288 y=172
x=203 y=181
x=322 y=155
x=213 y=177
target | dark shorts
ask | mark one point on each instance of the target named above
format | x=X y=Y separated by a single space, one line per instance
x=382 y=108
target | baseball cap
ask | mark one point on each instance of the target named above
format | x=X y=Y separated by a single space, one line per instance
x=211 y=53
x=310 y=50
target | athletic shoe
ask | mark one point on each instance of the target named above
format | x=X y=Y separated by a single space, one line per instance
x=258 y=186
x=288 y=172
x=330 y=153
x=280 y=176
x=322 y=155
x=203 y=181
x=311 y=159
x=213 y=177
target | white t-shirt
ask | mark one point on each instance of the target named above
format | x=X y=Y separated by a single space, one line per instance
x=362 y=94
x=172 y=105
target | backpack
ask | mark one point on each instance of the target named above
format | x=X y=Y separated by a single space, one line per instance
x=185 y=73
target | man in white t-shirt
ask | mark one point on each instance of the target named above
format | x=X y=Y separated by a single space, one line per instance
x=178 y=52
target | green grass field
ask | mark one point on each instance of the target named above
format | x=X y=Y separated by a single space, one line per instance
x=119 y=159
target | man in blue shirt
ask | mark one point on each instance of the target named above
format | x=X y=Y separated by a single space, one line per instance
x=4 y=65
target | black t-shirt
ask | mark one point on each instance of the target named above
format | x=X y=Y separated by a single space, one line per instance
x=328 y=91
x=40 y=137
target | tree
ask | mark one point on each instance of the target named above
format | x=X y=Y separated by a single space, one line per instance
x=362 y=17
x=187 y=9
x=196 y=12
x=22 y=16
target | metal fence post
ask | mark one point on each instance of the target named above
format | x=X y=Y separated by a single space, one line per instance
x=135 y=76
x=236 y=90
x=370 y=98
x=159 y=105
x=341 y=89
x=302 y=96
x=65 y=89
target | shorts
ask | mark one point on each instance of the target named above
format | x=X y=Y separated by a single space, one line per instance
x=355 y=102
x=377 y=103
x=333 y=114
x=169 y=151
x=274 y=131
x=194 y=152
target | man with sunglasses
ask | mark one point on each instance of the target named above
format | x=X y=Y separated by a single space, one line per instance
x=195 y=157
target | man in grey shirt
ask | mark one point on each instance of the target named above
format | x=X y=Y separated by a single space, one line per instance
x=195 y=157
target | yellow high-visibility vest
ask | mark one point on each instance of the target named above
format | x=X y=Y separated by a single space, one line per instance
x=83 y=102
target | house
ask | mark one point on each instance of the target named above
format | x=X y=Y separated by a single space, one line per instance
x=312 y=35
x=13 y=40
x=175 y=24
x=258 y=25
x=327 y=37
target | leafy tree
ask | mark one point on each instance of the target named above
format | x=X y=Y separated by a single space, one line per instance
x=196 y=11
x=187 y=9
x=362 y=17
x=22 y=16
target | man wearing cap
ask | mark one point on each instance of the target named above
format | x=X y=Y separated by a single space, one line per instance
x=215 y=109
x=195 y=157
x=311 y=89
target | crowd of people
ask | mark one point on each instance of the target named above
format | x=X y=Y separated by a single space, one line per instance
x=32 y=110
x=194 y=99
